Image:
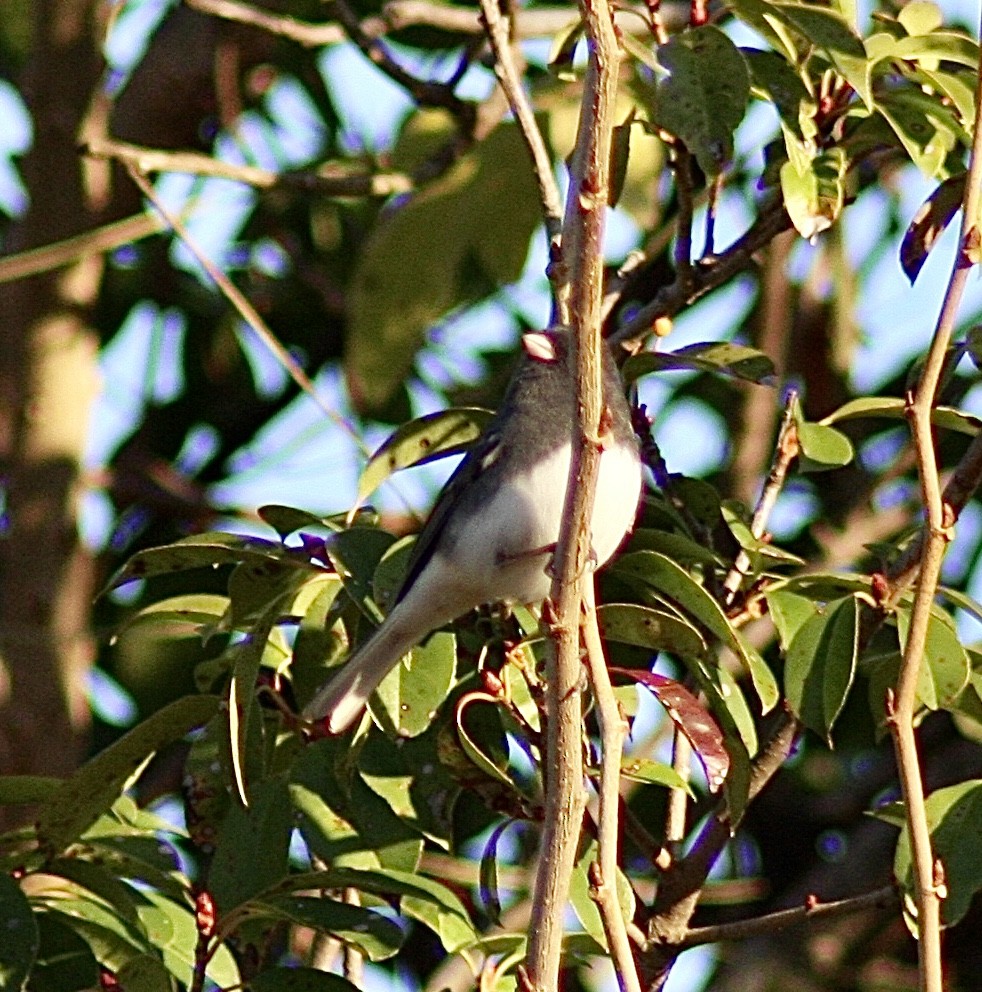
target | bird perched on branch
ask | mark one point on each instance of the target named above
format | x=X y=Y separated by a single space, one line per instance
x=494 y=528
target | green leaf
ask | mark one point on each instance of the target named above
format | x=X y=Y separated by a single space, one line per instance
x=679 y=547
x=436 y=435
x=173 y=933
x=704 y=97
x=821 y=665
x=408 y=698
x=620 y=151
x=650 y=772
x=206 y=551
x=896 y=409
x=925 y=128
x=79 y=800
x=488 y=874
x=920 y=17
x=355 y=555
x=584 y=904
x=663 y=574
x=341 y=819
x=413 y=782
x=646 y=627
x=21 y=939
x=777 y=83
x=828 y=31
x=299 y=980
x=253 y=845
x=375 y=936
x=721 y=357
x=945 y=668
x=822 y=448
x=814 y=191
x=939 y=46
x=17 y=790
x=65 y=962
x=954 y=816
x=789 y=611
x=478 y=218
x=146 y=973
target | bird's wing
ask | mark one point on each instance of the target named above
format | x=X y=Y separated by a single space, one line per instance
x=477 y=461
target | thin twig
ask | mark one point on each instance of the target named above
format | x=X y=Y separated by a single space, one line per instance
x=582 y=263
x=509 y=75
x=101 y=239
x=707 y=274
x=613 y=730
x=770 y=923
x=330 y=179
x=530 y=22
x=243 y=307
x=425 y=92
x=682 y=167
x=938 y=525
x=678 y=799
x=302 y=32
x=785 y=451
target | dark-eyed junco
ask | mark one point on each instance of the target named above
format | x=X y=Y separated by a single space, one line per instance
x=494 y=528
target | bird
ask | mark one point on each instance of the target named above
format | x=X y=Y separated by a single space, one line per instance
x=494 y=527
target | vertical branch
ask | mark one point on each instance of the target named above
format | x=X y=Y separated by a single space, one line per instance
x=613 y=730
x=939 y=520
x=582 y=268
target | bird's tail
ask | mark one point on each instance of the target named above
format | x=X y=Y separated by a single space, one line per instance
x=345 y=695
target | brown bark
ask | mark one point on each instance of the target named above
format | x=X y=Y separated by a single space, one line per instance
x=48 y=381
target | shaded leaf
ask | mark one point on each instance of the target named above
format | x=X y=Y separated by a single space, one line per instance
x=821 y=665
x=954 y=816
x=488 y=874
x=478 y=218
x=721 y=357
x=299 y=980
x=21 y=939
x=79 y=800
x=932 y=217
x=585 y=906
x=645 y=627
x=435 y=435
x=945 y=668
x=375 y=936
x=704 y=97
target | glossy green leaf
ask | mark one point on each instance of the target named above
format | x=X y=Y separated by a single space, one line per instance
x=585 y=906
x=722 y=357
x=488 y=874
x=413 y=782
x=342 y=820
x=355 y=555
x=146 y=973
x=299 y=980
x=252 y=849
x=16 y=790
x=773 y=79
x=789 y=611
x=650 y=772
x=21 y=940
x=65 y=962
x=920 y=17
x=671 y=580
x=896 y=409
x=954 y=816
x=375 y=936
x=704 y=97
x=435 y=435
x=408 y=698
x=679 y=547
x=821 y=665
x=79 y=800
x=645 y=627
x=822 y=448
x=814 y=192
x=926 y=130
x=946 y=671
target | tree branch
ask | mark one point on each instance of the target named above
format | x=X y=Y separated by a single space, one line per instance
x=613 y=730
x=582 y=264
x=938 y=525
